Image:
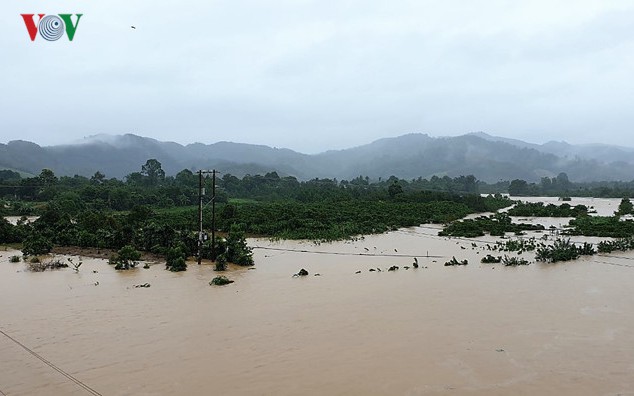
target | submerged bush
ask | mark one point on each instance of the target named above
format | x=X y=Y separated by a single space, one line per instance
x=220 y=281
x=514 y=261
x=488 y=259
x=563 y=250
x=38 y=266
x=127 y=257
x=623 y=244
x=453 y=262
x=220 y=263
x=175 y=260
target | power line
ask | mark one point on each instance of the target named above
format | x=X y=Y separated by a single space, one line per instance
x=346 y=254
x=53 y=366
x=615 y=264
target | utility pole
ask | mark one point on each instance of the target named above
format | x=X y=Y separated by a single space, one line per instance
x=200 y=216
x=213 y=215
x=201 y=192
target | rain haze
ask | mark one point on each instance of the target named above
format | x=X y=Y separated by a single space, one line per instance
x=319 y=75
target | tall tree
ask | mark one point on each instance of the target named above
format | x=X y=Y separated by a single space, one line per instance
x=152 y=169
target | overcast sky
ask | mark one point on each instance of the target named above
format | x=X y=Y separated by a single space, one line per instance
x=318 y=75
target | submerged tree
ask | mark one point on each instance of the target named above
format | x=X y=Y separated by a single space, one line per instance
x=625 y=207
x=175 y=260
x=127 y=257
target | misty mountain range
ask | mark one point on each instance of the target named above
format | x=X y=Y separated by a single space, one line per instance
x=487 y=157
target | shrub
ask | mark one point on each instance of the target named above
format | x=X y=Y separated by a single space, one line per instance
x=14 y=259
x=221 y=263
x=38 y=266
x=127 y=257
x=623 y=244
x=488 y=259
x=220 y=281
x=453 y=262
x=35 y=245
x=563 y=250
x=175 y=260
x=514 y=261
x=238 y=252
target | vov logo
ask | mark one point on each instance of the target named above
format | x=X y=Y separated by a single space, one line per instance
x=51 y=27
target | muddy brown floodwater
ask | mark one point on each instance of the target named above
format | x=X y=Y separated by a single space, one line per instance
x=483 y=329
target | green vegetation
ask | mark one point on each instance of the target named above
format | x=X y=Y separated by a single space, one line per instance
x=625 y=207
x=488 y=259
x=561 y=186
x=221 y=263
x=563 y=250
x=496 y=225
x=154 y=213
x=36 y=244
x=126 y=258
x=599 y=226
x=149 y=211
x=41 y=266
x=509 y=261
x=14 y=259
x=623 y=244
x=538 y=209
x=517 y=245
x=454 y=262
x=220 y=281
x=175 y=260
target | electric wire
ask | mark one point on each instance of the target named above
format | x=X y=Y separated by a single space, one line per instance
x=345 y=253
x=53 y=366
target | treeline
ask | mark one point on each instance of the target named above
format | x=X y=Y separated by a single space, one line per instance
x=150 y=186
x=561 y=186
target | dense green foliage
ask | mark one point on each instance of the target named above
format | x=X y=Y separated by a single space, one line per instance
x=538 y=209
x=563 y=250
x=152 y=212
x=497 y=225
x=175 y=260
x=36 y=244
x=515 y=245
x=220 y=281
x=623 y=244
x=625 y=207
x=220 y=263
x=601 y=227
x=126 y=258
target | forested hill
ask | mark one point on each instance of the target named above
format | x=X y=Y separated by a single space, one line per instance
x=409 y=156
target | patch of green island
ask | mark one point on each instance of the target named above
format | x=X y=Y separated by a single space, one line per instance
x=497 y=225
x=539 y=209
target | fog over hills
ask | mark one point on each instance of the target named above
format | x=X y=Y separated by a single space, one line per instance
x=489 y=158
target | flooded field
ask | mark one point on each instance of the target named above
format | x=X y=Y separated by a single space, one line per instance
x=480 y=329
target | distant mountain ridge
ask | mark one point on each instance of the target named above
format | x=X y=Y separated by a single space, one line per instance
x=489 y=158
